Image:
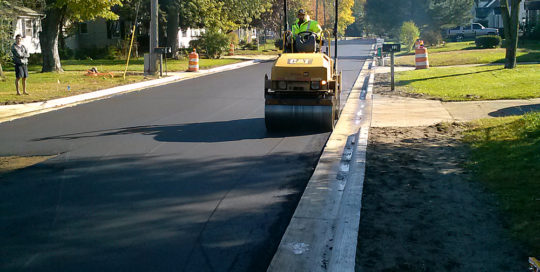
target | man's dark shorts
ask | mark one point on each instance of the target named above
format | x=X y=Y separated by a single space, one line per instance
x=21 y=71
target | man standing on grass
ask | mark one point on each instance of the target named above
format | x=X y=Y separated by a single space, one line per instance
x=20 y=58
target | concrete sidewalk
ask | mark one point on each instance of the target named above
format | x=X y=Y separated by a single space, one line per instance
x=399 y=111
x=12 y=112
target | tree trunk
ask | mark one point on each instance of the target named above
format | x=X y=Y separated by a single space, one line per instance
x=48 y=39
x=511 y=26
x=2 y=76
x=172 y=29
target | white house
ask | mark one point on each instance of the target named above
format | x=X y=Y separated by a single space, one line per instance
x=27 y=23
x=185 y=36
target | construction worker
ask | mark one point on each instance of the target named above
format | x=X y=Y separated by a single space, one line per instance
x=303 y=24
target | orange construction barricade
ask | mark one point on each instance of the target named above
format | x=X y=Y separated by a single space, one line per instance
x=193 y=61
x=231 y=49
x=421 y=58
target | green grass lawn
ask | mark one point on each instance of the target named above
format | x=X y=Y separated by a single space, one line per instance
x=473 y=83
x=506 y=158
x=46 y=86
x=447 y=47
x=259 y=52
x=264 y=49
x=465 y=53
x=135 y=65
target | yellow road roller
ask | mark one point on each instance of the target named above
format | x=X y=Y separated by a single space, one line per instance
x=304 y=88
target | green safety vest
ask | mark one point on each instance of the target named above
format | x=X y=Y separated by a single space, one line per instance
x=308 y=25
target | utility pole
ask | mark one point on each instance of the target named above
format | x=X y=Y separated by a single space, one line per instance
x=317 y=10
x=150 y=61
x=324 y=12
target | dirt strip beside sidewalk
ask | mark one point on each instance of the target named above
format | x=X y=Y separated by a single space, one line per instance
x=422 y=212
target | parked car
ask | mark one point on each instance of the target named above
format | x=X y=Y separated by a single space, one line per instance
x=471 y=31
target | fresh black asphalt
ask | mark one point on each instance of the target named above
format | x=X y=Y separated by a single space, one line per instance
x=181 y=177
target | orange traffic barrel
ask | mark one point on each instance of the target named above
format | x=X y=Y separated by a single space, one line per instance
x=193 y=61
x=421 y=58
x=231 y=49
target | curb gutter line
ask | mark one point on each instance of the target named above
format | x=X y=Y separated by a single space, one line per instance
x=322 y=234
x=13 y=112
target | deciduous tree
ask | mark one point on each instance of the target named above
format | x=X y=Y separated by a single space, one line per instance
x=56 y=14
x=510 y=16
x=430 y=14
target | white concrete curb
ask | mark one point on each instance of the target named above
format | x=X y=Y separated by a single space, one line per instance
x=12 y=112
x=322 y=234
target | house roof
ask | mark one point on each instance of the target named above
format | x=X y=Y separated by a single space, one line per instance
x=9 y=9
x=532 y=5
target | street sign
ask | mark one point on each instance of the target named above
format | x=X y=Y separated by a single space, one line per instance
x=391 y=47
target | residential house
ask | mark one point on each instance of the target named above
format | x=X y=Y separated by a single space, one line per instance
x=488 y=13
x=185 y=36
x=25 y=22
x=532 y=9
x=99 y=33
x=102 y=33
x=247 y=35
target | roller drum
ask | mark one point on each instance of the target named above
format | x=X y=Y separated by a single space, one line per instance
x=295 y=116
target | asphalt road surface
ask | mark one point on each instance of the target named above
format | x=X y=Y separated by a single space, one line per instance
x=181 y=177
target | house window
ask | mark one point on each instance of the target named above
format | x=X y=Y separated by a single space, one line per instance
x=35 y=29
x=84 y=28
x=184 y=34
x=28 y=29
x=113 y=29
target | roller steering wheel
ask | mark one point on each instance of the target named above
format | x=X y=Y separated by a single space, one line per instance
x=302 y=35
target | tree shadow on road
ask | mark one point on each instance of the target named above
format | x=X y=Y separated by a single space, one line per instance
x=209 y=132
x=150 y=213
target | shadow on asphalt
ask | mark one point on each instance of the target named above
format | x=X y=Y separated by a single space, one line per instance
x=210 y=132
x=517 y=110
x=149 y=213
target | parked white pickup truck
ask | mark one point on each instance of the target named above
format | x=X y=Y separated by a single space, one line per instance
x=462 y=32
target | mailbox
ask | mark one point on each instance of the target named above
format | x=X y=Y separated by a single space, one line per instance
x=391 y=47
x=162 y=50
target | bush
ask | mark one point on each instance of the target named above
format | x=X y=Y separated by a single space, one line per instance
x=35 y=59
x=109 y=52
x=195 y=44
x=250 y=46
x=431 y=37
x=408 y=34
x=66 y=53
x=215 y=43
x=535 y=32
x=488 y=41
x=6 y=60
